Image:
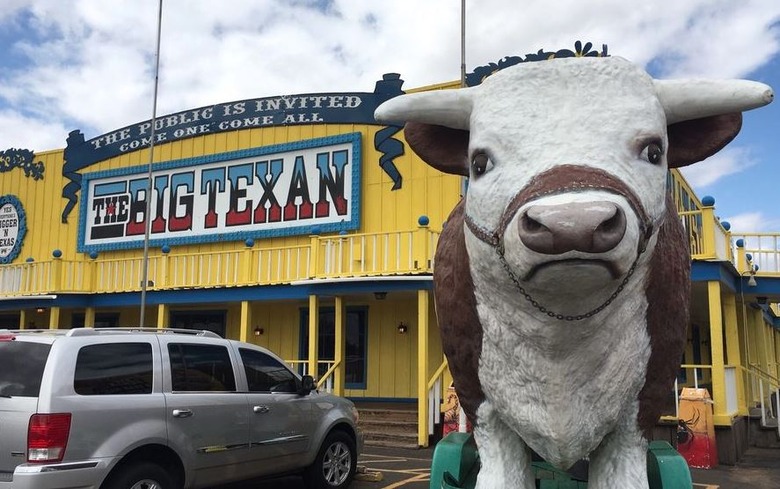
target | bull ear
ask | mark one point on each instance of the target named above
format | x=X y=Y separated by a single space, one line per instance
x=441 y=147
x=696 y=139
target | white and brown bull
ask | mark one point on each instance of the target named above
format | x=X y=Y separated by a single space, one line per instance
x=562 y=280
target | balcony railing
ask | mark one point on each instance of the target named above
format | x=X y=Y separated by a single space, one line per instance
x=342 y=256
x=357 y=255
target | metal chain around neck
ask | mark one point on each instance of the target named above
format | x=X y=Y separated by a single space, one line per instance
x=561 y=317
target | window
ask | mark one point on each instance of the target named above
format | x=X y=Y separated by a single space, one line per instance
x=22 y=367
x=117 y=368
x=266 y=374
x=213 y=321
x=9 y=321
x=102 y=320
x=198 y=368
x=355 y=352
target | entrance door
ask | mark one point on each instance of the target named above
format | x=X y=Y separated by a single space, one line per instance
x=356 y=345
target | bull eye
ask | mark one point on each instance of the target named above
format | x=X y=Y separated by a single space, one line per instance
x=480 y=163
x=653 y=153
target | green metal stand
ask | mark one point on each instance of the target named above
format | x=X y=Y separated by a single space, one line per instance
x=456 y=465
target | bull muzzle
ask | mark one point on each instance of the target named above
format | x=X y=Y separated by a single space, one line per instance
x=595 y=227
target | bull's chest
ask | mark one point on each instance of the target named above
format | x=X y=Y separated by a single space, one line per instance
x=563 y=384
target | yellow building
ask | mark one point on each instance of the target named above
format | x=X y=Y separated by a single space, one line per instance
x=264 y=210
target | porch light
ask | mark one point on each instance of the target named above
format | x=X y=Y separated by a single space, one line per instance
x=752 y=280
x=259 y=331
x=380 y=296
x=402 y=328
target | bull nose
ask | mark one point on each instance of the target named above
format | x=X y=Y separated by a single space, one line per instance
x=591 y=227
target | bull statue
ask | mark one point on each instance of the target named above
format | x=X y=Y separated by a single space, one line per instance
x=562 y=279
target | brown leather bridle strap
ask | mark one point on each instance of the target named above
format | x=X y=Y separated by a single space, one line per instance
x=558 y=180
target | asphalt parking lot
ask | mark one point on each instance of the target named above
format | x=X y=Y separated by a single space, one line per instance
x=410 y=469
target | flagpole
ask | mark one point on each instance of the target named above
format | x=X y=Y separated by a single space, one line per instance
x=462 y=43
x=147 y=214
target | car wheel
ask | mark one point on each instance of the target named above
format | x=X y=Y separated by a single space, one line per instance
x=335 y=464
x=143 y=475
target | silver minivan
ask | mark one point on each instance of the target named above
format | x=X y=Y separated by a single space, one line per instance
x=119 y=408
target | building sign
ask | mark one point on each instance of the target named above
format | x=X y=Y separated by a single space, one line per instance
x=13 y=227
x=323 y=108
x=281 y=190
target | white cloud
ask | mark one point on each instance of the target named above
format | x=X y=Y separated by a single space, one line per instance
x=749 y=222
x=731 y=160
x=30 y=133
x=90 y=61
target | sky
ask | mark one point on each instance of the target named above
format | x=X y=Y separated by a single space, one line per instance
x=89 y=64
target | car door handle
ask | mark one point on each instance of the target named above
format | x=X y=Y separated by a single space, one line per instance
x=261 y=409
x=182 y=413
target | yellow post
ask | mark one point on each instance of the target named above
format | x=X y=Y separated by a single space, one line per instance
x=54 y=318
x=742 y=265
x=314 y=248
x=162 y=316
x=339 y=375
x=314 y=321
x=760 y=339
x=89 y=317
x=56 y=274
x=22 y=319
x=245 y=321
x=777 y=353
x=716 y=345
x=422 y=368
x=766 y=337
x=421 y=245
x=708 y=231
x=732 y=349
x=163 y=279
x=246 y=266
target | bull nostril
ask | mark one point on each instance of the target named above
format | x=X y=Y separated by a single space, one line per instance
x=534 y=234
x=610 y=232
x=531 y=225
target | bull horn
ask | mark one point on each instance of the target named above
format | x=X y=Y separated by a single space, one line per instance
x=450 y=108
x=684 y=100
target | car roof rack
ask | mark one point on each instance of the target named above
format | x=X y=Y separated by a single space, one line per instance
x=93 y=331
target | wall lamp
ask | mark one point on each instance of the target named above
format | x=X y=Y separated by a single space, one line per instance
x=380 y=296
x=258 y=331
x=402 y=328
x=40 y=310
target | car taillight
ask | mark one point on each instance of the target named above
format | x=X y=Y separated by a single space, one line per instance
x=47 y=437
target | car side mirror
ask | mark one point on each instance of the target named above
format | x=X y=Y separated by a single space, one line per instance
x=307 y=385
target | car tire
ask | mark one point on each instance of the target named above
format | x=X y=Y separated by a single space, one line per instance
x=335 y=465
x=143 y=475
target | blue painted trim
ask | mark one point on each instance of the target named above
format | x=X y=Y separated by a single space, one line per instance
x=725 y=273
x=354 y=138
x=267 y=293
x=707 y=271
x=22 y=227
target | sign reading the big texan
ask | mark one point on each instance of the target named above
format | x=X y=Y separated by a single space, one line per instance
x=323 y=108
x=280 y=190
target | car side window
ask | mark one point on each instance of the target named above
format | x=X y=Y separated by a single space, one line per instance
x=199 y=368
x=116 y=368
x=266 y=374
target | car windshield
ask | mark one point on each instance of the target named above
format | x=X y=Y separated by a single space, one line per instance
x=21 y=368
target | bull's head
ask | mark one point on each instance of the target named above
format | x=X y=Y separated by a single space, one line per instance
x=568 y=163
